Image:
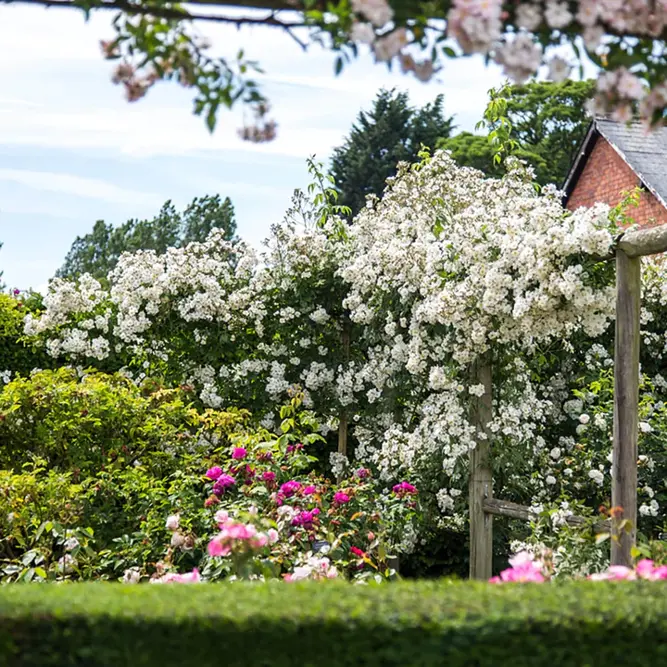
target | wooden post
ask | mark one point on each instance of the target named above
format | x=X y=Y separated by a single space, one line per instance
x=626 y=401
x=342 y=422
x=342 y=433
x=481 y=480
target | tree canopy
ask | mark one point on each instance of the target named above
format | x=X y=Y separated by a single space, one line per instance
x=392 y=131
x=98 y=252
x=548 y=122
x=155 y=41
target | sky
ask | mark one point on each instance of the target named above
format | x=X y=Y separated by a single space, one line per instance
x=73 y=151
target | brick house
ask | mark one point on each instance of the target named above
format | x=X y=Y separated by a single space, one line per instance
x=614 y=158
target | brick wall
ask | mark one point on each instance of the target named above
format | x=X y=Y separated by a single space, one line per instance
x=605 y=177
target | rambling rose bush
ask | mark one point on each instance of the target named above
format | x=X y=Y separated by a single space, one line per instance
x=380 y=322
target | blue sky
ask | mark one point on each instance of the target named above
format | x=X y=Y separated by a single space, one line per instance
x=72 y=151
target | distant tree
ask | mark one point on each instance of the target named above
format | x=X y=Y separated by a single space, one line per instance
x=390 y=132
x=549 y=121
x=98 y=252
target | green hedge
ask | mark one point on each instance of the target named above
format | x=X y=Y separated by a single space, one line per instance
x=333 y=624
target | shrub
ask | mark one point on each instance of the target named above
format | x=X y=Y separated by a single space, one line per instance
x=418 y=624
x=87 y=423
x=16 y=355
x=355 y=524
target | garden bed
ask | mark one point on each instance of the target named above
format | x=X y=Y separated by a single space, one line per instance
x=330 y=623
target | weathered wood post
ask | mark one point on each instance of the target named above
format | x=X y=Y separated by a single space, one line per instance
x=481 y=478
x=626 y=402
x=342 y=422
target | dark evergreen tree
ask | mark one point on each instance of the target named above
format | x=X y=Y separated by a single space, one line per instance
x=390 y=132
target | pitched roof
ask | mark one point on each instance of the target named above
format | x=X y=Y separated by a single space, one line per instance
x=644 y=152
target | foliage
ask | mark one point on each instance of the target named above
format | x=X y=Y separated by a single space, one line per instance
x=415 y=623
x=389 y=133
x=547 y=121
x=97 y=253
x=17 y=355
x=116 y=507
x=91 y=421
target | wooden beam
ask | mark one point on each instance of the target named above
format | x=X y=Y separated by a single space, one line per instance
x=639 y=242
x=626 y=407
x=506 y=508
x=481 y=479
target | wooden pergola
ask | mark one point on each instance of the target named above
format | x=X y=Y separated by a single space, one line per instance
x=630 y=248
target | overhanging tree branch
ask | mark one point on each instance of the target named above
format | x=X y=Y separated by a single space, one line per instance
x=175 y=12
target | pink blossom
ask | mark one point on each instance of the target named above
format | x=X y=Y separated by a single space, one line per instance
x=620 y=572
x=404 y=489
x=268 y=476
x=646 y=569
x=309 y=490
x=273 y=535
x=290 y=488
x=239 y=453
x=174 y=578
x=521 y=559
x=239 y=531
x=341 y=498
x=234 y=536
x=214 y=472
x=363 y=473
x=261 y=540
x=223 y=482
x=524 y=569
x=216 y=548
x=305 y=518
x=221 y=517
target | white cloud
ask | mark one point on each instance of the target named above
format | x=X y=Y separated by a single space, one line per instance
x=79 y=186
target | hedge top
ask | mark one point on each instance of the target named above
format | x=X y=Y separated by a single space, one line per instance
x=408 y=623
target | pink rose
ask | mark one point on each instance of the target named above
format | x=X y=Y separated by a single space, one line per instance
x=214 y=472
x=221 y=517
x=273 y=535
x=239 y=453
x=341 y=498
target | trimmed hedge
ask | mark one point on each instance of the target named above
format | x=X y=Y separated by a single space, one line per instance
x=333 y=624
